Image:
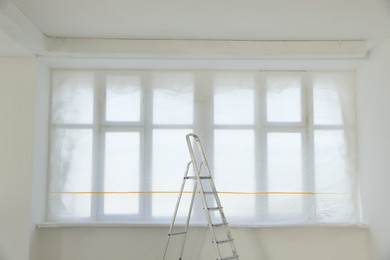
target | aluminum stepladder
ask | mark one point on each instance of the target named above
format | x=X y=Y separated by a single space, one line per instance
x=204 y=187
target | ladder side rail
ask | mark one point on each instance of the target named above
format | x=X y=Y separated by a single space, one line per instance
x=188 y=218
x=221 y=212
x=208 y=216
x=219 y=205
x=204 y=200
x=214 y=190
x=176 y=208
x=223 y=217
x=203 y=156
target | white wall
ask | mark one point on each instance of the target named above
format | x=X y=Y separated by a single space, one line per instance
x=373 y=110
x=24 y=113
x=147 y=243
x=17 y=83
x=40 y=158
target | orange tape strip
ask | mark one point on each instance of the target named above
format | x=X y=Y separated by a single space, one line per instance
x=190 y=192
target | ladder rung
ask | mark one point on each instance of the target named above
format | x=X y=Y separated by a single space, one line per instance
x=194 y=177
x=214 y=208
x=224 y=241
x=230 y=257
x=219 y=224
x=200 y=179
x=178 y=233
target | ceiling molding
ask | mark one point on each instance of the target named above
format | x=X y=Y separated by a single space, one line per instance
x=199 y=64
x=128 y=48
x=19 y=28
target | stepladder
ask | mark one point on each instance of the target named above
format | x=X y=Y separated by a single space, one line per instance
x=198 y=172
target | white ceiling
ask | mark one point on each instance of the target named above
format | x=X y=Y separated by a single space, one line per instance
x=8 y=47
x=38 y=24
x=212 y=19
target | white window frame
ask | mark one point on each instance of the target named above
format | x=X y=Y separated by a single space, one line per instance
x=203 y=118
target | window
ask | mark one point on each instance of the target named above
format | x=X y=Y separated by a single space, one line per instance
x=280 y=144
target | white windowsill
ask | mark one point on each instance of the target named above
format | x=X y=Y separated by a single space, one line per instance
x=72 y=225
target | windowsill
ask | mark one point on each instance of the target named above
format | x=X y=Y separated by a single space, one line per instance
x=74 y=224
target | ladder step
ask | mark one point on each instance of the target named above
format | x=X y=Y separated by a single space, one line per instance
x=224 y=241
x=230 y=257
x=219 y=224
x=214 y=208
x=194 y=177
x=178 y=233
x=204 y=186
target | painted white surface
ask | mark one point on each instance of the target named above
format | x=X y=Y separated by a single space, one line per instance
x=198 y=49
x=373 y=106
x=17 y=83
x=217 y=19
x=9 y=48
x=23 y=82
x=19 y=28
x=123 y=243
x=101 y=27
x=274 y=243
x=40 y=159
x=201 y=64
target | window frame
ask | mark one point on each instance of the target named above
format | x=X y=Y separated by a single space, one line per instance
x=202 y=116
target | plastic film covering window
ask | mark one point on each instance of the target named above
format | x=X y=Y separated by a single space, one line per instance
x=281 y=145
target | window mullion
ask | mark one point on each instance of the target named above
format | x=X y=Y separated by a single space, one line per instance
x=203 y=123
x=261 y=150
x=146 y=173
x=98 y=145
x=203 y=108
x=49 y=147
x=309 y=152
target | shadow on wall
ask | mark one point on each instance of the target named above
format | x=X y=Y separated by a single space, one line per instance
x=148 y=243
x=2 y=257
x=251 y=244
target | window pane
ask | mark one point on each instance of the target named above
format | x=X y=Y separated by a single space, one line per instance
x=335 y=208
x=170 y=157
x=326 y=99
x=284 y=99
x=173 y=98
x=284 y=151
x=234 y=164
x=330 y=161
x=121 y=172
x=334 y=201
x=123 y=98
x=71 y=171
x=234 y=98
x=286 y=208
x=72 y=101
